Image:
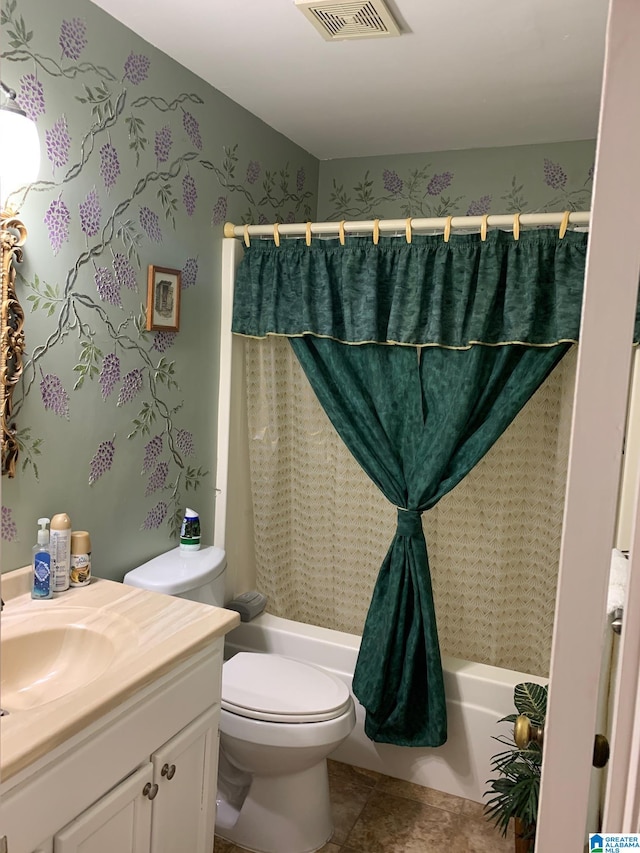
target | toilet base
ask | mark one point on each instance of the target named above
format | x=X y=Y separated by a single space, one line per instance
x=282 y=814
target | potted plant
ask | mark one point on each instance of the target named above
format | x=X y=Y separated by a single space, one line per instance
x=514 y=793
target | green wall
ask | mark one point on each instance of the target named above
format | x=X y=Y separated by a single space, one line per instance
x=556 y=176
x=141 y=163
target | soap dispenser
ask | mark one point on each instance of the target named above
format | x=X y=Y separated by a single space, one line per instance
x=42 y=586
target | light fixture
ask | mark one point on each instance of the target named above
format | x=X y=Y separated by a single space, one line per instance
x=19 y=164
x=19 y=148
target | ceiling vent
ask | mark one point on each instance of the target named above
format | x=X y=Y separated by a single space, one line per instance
x=356 y=20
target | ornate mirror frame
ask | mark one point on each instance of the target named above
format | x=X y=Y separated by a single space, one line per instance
x=12 y=237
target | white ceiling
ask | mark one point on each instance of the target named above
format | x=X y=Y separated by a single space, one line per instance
x=465 y=73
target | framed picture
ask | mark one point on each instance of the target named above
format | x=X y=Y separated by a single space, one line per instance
x=163 y=299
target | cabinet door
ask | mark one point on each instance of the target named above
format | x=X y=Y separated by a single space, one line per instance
x=120 y=821
x=185 y=770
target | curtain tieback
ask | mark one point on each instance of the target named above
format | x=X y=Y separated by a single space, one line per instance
x=409 y=522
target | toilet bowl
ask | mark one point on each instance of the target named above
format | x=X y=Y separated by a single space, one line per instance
x=280 y=719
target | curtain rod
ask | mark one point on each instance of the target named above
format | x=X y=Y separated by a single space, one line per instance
x=508 y=221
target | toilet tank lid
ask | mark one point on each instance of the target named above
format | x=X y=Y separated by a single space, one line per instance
x=178 y=571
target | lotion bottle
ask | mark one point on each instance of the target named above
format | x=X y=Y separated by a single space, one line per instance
x=60 y=548
x=41 y=586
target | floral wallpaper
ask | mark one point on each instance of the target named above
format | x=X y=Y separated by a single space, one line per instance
x=552 y=177
x=141 y=163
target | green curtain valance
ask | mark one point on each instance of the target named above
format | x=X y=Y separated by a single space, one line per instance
x=428 y=292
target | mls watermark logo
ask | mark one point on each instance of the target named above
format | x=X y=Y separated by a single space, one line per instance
x=614 y=843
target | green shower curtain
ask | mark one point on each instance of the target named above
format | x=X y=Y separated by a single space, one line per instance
x=421 y=354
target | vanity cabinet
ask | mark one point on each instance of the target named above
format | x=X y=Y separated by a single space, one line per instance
x=165 y=806
x=119 y=821
x=96 y=793
x=185 y=771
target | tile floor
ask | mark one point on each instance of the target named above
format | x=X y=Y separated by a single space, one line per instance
x=373 y=813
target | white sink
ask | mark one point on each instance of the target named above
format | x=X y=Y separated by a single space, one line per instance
x=56 y=652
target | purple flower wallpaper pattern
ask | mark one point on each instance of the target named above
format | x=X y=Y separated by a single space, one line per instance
x=253 y=172
x=109 y=165
x=9 y=530
x=157 y=479
x=184 y=442
x=107 y=286
x=219 y=211
x=554 y=175
x=162 y=144
x=155 y=516
x=109 y=374
x=102 y=460
x=479 y=206
x=152 y=451
x=189 y=194
x=439 y=183
x=192 y=128
x=391 y=181
x=150 y=224
x=90 y=213
x=57 y=219
x=73 y=38
x=58 y=142
x=124 y=272
x=31 y=97
x=131 y=386
x=162 y=341
x=136 y=68
x=189 y=273
x=54 y=397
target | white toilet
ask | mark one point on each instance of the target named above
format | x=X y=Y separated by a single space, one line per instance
x=279 y=721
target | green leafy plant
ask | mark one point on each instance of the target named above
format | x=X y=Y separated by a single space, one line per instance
x=514 y=793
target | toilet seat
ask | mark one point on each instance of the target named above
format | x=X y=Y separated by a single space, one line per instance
x=281 y=690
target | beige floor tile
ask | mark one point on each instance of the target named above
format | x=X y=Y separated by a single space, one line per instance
x=349 y=793
x=222 y=846
x=400 y=788
x=390 y=824
x=339 y=769
x=474 y=836
x=470 y=808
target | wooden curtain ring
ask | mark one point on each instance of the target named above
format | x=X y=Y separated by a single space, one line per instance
x=308 y=234
x=516 y=226
x=341 y=232
x=376 y=232
x=247 y=241
x=276 y=234
x=447 y=229
x=407 y=229
x=483 y=227
x=564 y=224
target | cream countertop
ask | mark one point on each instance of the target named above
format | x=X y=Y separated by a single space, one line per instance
x=159 y=632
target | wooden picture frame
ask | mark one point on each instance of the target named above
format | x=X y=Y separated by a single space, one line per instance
x=163 y=299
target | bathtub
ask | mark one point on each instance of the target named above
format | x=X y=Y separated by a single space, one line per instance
x=477 y=696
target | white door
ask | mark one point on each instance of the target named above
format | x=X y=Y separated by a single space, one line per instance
x=185 y=770
x=120 y=821
x=611 y=286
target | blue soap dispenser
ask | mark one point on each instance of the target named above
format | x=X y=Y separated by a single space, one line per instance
x=42 y=586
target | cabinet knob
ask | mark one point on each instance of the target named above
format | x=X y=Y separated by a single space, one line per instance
x=168 y=770
x=150 y=791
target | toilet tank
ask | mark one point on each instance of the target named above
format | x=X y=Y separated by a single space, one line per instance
x=195 y=575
